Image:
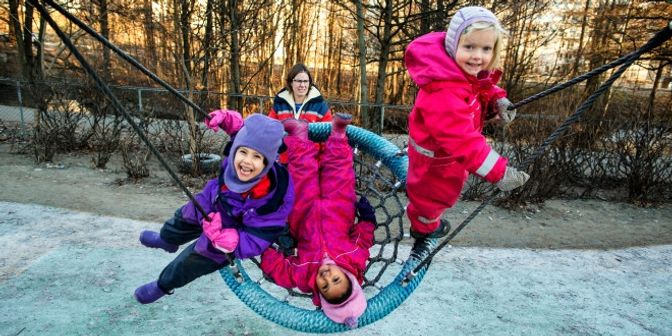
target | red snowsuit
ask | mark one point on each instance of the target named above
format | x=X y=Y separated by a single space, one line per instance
x=445 y=140
x=323 y=217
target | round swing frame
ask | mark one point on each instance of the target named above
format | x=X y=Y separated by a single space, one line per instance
x=380 y=305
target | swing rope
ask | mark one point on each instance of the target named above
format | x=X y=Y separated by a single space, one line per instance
x=626 y=62
x=123 y=55
x=115 y=102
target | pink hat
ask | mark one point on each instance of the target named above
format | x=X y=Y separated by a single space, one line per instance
x=348 y=311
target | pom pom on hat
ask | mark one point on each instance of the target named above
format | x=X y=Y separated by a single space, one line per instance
x=349 y=311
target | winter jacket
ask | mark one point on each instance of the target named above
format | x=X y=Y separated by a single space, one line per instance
x=260 y=216
x=450 y=109
x=314 y=108
x=323 y=219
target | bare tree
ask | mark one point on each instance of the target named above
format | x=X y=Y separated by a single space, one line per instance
x=26 y=40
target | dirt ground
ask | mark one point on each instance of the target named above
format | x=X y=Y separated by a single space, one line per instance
x=71 y=260
x=72 y=183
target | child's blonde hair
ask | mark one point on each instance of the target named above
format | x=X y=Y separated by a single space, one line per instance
x=469 y=19
x=499 y=36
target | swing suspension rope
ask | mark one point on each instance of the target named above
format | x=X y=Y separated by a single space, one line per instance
x=122 y=54
x=377 y=184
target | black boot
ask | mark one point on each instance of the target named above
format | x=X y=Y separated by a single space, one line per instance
x=441 y=231
x=421 y=246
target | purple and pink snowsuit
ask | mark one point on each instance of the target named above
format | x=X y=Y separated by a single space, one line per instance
x=259 y=220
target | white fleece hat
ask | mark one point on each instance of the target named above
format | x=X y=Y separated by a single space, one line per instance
x=461 y=20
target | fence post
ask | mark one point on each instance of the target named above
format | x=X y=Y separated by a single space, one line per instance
x=382 y=119
x=139 y=101
x=22 y=133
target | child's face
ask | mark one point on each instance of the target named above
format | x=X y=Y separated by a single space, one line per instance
x=248 y=163
x=331 y=281
x=475 y=50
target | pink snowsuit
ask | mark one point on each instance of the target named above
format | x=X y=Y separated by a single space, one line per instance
x=323 y=218
x=445 y=139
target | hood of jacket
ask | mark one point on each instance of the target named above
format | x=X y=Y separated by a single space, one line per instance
x=427 y=61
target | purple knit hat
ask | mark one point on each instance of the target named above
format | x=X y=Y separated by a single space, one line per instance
x=461 y=20
x=262 y=134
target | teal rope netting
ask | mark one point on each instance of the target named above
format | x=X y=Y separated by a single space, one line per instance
x=385 y=301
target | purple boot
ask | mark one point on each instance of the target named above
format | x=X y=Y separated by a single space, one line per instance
x=296 y=127
x=153 y=239
x=339 y=124
x=148 y=293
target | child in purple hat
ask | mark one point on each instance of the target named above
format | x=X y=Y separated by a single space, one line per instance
x=247 y=205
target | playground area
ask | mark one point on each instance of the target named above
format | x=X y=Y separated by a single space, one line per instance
x=71 y=261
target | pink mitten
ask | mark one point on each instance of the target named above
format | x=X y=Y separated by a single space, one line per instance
x=227 y=241
x=228 y=120
x=224 y=239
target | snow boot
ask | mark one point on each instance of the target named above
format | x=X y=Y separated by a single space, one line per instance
x=153 y=239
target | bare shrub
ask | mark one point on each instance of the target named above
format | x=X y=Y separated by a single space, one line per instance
x=59 y=125
x=641 y=153
x=105 y=122
x=135 y=157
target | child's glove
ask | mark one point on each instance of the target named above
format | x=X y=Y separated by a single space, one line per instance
x=513 y=178
x=365 y=211
x=502 y=109
x=224 y=239
x=285 y=243
x=229 y=121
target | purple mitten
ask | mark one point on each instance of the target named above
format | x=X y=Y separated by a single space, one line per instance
x=229 y=121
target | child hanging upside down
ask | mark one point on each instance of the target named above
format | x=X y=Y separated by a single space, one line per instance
x=332 y=249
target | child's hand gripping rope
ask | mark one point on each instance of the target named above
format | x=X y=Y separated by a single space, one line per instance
x=502 y=109
x=228 y=120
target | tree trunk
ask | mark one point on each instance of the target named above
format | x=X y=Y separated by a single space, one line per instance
x=385 y=45
x=23 y=32
x=652 y=96
x=207 y=45
x=234 y=101
x=105 y=32
x=579 y=51
x=363 y=83
x=150 y=43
